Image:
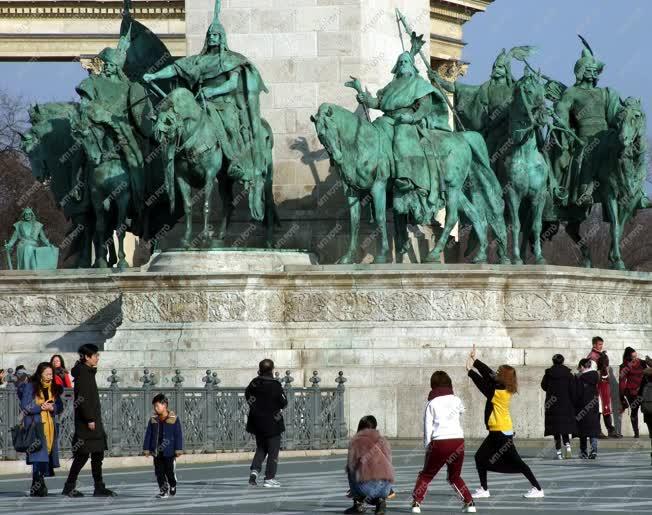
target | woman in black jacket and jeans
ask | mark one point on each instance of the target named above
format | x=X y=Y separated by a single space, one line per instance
x=266 y=399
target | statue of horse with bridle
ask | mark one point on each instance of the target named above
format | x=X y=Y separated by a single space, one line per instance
x=363 y=156
x=194 y=158
x=527 y=170
x=57 y=159
x=620 y=167
x=109 y=184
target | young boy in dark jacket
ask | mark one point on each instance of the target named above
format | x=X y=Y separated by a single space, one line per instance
x=164 y=441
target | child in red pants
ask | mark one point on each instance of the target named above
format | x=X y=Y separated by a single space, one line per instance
x=444 y=441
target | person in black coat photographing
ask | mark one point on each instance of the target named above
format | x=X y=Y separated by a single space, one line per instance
x=266 y=400
x=89 y=439
x=559 y=384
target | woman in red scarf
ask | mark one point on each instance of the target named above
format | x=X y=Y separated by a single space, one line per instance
x=61 y=375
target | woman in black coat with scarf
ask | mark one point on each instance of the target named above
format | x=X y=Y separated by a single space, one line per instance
x=559 y=384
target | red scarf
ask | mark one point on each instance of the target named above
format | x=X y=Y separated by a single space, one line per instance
x=440 y=391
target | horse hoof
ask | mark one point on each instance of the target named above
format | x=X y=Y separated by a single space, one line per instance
x=480 y=261
x=505 y=261
x=432 y=258
x=618 y=265
x=122 y=264
x=380 y=260
x=185 y=243
x=587 y=263
x=517 y=261
x=541 y=261
x=101 y=263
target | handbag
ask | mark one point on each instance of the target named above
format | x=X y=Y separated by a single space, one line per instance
x=27 y=438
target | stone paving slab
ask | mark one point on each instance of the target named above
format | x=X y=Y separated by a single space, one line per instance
x=619 y=481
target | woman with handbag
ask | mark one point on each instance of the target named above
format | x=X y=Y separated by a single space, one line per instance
x=41 y=403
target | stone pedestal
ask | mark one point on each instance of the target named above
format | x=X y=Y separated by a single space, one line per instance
x=388 y=327
x=228 y=260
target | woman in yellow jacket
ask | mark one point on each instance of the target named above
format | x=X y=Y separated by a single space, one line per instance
x=498 y=452
x=41 y=403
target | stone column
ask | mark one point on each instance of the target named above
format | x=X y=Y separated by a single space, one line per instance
x=305 y=51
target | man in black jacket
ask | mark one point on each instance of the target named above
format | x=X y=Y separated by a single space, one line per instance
x=266 y=399
x=89 y=438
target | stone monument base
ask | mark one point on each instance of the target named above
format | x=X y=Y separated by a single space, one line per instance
x=227 y=260
x=388 y=327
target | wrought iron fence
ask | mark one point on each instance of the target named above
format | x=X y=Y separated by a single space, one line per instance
x=213 y=417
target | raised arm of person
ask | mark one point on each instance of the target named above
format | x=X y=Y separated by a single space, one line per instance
x=483 y=380
x=166 y=73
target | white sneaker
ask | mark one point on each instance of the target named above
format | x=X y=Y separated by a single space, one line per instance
x=416 y=507
x=469 y=508
x=481 y=493
x=559 y=456
x=568 y=454
x=271 y=483
x=533 y=493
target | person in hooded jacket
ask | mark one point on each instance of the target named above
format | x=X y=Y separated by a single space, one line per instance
x=89 y=439
x=587 y=408
x=559 y=384
x=266 y=400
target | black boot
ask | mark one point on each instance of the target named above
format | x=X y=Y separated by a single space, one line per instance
x=635 y=427
x=69 y=490
x=38 y=488
x=381 y=506
x=103 y=491
x=358 y=507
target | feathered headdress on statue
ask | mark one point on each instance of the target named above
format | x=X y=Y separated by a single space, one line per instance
x=118 y=55
x=504 y=59
x=417 y=45
x=588 y=59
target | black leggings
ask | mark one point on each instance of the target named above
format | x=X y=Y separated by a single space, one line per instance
x=498 y=454
x=558 y=438
x=634 y=402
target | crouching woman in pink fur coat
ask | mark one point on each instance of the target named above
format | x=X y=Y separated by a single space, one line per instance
x=369 y=467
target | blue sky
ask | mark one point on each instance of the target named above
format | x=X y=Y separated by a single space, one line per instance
x=618 y=31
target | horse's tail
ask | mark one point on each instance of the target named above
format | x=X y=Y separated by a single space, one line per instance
x=485 y=188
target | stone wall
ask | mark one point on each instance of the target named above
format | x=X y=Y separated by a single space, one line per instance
x=387 y=327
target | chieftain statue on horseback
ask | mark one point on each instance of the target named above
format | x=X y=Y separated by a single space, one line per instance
x=146 y=132
x=530 y=151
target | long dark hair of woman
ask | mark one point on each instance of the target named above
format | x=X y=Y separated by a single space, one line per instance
x=56 y=389
x=63 y=363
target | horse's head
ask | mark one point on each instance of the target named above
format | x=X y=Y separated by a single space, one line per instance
x=326 y=127
x=178 y=106
x=631 y=122
x=530 y=96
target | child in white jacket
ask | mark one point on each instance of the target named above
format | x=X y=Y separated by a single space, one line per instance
x=444 y=442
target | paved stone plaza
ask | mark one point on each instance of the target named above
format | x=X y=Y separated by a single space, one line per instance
x=619 y=481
